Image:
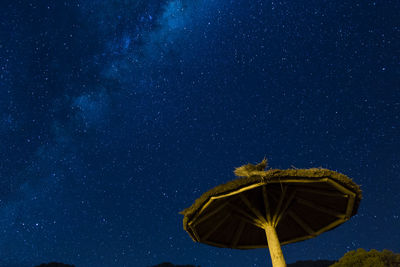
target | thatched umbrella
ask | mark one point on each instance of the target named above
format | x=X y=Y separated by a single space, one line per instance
x=269 y=208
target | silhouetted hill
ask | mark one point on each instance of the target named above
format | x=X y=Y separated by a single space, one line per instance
x=318 y=263
x=168 y=264
x=54 y=264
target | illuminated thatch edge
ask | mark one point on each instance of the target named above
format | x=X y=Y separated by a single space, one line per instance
x=269 y=176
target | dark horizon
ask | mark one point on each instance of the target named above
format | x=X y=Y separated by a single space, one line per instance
x=117 y=115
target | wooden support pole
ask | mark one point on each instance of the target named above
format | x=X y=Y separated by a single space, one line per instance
x=274 y=247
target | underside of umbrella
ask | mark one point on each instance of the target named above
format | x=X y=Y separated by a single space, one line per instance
x=289 y=205
x=299 y=209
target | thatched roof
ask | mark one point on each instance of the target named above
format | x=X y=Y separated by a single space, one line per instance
x=254 y=174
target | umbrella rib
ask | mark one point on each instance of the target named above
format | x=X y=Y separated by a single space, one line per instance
x=285 y=207
x=291 y=180
x=238 y=233
x=215 y=228
x=320 y=208
x=254 y=210
x=302 y=223
x=208 y=215
x=330 y=226
x=278 y=208
x=195 y=233
x=352 y=196
x=297 y=239
x=350 y=206
x=324 y=193
x=305 y=203
x=266 y=203
x=341 y=188
x=245 y=216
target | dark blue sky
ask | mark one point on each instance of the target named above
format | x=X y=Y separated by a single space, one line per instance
x=116 y=115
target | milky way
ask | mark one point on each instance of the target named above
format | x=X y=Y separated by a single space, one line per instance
x=116 y=115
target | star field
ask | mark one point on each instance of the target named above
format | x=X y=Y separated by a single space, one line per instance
x=116 y=115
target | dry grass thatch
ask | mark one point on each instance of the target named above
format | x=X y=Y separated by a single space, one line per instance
x=252 y=174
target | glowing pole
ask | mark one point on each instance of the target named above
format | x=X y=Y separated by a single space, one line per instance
x=274 y=247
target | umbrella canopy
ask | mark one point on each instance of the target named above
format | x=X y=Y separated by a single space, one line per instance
x=298 y=203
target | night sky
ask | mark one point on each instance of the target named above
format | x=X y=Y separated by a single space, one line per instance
x=116 y=115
